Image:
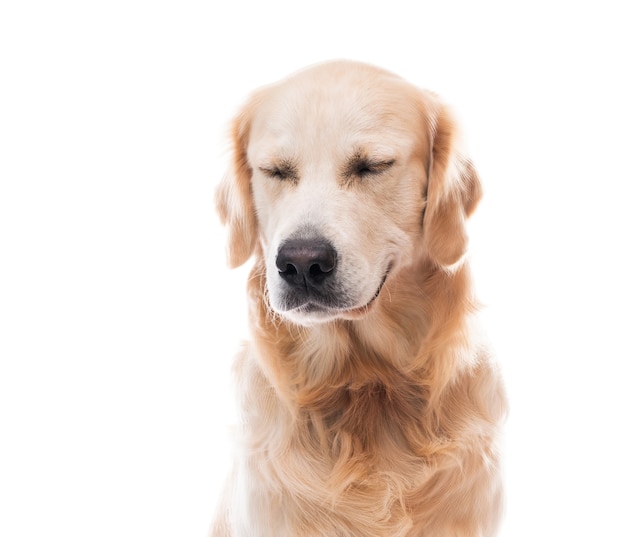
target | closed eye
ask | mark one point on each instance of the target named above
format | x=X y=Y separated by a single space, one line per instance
x=283 y=172
x=273 y=172
x=363 y=168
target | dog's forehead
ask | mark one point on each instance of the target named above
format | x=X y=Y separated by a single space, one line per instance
x=338 y=110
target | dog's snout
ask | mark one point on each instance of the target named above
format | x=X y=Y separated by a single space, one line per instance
x=306 y=262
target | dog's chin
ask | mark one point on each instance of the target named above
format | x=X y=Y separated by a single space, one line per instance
x=312 y=314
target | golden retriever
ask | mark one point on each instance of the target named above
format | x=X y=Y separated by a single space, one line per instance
x=370 y=404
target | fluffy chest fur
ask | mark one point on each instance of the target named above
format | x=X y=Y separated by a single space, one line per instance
x=363 y=447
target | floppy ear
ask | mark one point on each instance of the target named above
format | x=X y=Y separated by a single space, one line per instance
x=233 y=198
x=452 y=194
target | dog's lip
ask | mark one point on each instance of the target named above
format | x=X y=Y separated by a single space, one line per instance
x=361 y=310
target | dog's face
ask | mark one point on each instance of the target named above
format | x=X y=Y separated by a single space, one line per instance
x=343 y=175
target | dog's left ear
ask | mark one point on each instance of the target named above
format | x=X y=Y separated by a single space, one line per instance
x=452 y=195
x=233 y=198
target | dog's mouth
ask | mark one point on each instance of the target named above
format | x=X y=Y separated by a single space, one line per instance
x=313 y=310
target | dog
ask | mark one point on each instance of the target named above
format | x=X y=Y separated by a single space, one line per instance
x=371 y=405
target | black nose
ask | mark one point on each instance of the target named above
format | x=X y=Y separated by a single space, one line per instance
x=306 y=262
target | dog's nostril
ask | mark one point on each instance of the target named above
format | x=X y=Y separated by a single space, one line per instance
x=316 y=270
x=289 y=270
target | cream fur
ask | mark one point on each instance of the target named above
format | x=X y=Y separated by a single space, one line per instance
x=379 y=417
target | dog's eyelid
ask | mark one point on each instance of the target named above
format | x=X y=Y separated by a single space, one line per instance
x=364 y=166
x=280 y=170
x=381 y=164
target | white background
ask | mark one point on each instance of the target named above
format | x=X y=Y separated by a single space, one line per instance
x=118 y=318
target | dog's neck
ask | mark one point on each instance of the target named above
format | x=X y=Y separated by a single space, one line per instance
x=418 y=316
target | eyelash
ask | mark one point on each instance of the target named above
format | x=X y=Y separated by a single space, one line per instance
x=361 y=169
x=277 y=173
x=364 y=168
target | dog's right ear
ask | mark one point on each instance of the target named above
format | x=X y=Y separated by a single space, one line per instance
x=233 y=198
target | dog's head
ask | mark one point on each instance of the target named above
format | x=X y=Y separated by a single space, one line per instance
x=342 y=176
